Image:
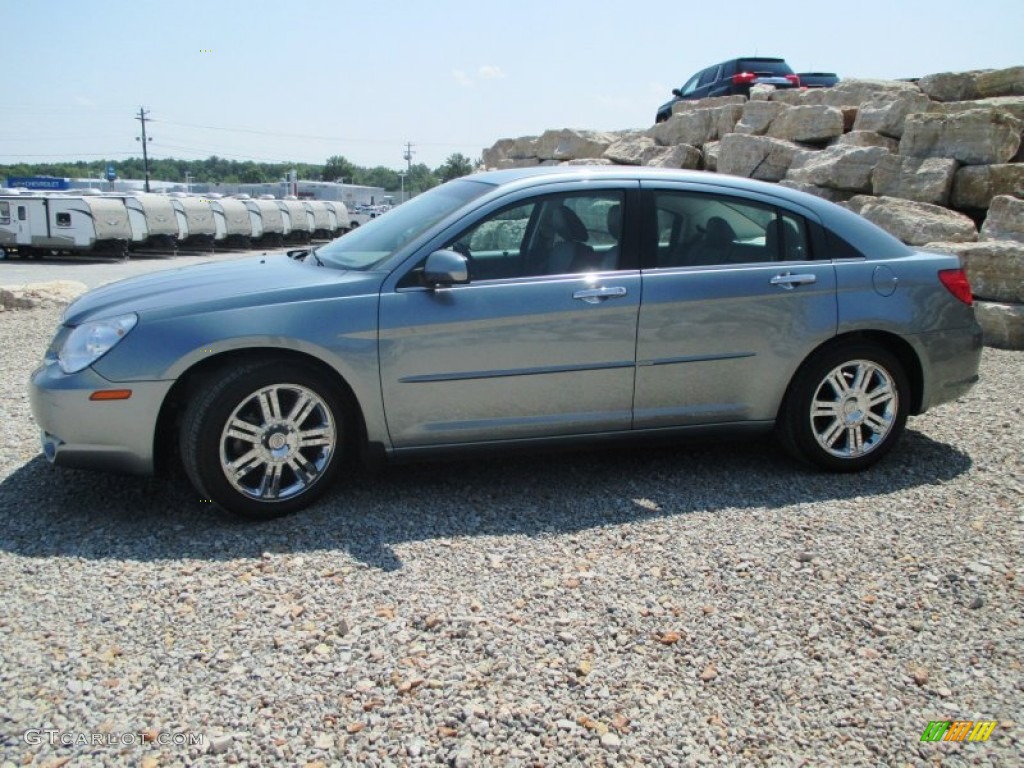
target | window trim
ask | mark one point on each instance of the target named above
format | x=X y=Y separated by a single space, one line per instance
x=647 y=217
x=627 y=244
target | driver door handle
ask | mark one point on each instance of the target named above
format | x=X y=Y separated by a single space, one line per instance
x=597 y=295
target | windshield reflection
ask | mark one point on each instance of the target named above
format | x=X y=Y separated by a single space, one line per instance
x=376 y=240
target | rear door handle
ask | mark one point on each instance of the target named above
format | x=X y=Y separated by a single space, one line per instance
x=597 y=295
x=789 y=280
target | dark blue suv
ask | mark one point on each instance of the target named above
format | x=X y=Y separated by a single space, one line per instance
x=735 y=76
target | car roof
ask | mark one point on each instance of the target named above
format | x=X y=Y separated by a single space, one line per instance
x=571 y=173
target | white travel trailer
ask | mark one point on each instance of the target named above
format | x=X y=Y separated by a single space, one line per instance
x=322 y=227
x=153 y=220
x=300 y=220
x=271 y=219
x=34 y=225
x=195 y=219
x=338 y=213
x=232 y=219
x=255 y=216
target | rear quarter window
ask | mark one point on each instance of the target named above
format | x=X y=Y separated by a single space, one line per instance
x=839 y=248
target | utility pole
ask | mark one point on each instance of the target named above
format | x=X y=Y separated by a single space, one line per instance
x=408 y=155
x=145 y=156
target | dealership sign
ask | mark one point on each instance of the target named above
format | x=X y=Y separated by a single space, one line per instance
x=38 y=182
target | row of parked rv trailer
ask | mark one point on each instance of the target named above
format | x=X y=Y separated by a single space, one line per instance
x=115 y=224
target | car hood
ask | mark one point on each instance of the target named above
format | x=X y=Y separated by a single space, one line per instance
x=251 y=281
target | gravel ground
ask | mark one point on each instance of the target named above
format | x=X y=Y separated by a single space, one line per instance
x=652 y=606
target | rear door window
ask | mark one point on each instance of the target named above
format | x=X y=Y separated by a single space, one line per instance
x=696 y=229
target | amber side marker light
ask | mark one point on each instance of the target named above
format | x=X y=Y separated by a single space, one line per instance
x=111 y=394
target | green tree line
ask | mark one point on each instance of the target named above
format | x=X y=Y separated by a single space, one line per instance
x=215 y=169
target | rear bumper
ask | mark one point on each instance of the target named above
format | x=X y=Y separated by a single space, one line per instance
x=953 y=358
x=113 y=435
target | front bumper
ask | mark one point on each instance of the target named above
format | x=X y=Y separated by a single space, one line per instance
x=111 y=435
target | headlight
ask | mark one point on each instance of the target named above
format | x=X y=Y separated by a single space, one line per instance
x=91 y=341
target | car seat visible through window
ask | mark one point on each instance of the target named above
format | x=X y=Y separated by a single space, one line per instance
x=571 y=253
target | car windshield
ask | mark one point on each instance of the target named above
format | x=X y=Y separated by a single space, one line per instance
x=372 y=243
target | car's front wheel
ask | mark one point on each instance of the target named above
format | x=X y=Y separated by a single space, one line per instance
x=265 y=439
x=846 y=407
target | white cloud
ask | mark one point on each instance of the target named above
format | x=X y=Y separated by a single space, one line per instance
x=490 y=72
x=462 y=78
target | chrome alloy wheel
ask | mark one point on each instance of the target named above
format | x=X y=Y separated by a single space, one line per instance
x=854 y=408
x=277 y=442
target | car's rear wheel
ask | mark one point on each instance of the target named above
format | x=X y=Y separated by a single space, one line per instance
x=846 y=407
x=264 y=440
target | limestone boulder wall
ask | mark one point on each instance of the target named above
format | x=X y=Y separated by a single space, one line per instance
x=571 y=144
x=837 y=167
x=975 y=186
x=975 y=137
x=756 y=157
x=915 y=223
x=1002 y=324
x=924 y=179
x=1005 y=219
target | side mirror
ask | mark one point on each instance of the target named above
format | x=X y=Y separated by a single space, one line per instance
x=677 y=93
x=445 y=268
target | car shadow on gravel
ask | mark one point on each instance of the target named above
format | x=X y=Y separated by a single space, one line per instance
x=47 y=513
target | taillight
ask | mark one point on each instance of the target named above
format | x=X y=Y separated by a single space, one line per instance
x=794 y=79
x=742 y=78
x=956 y=282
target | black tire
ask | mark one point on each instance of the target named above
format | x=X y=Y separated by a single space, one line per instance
x=276 y=407
x=863 y=396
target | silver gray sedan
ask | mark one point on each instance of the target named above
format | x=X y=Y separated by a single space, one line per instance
x=530 y=307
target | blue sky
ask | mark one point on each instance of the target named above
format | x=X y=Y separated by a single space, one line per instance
x=305 y=79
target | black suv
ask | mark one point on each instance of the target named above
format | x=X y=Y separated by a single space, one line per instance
x=732 y=77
